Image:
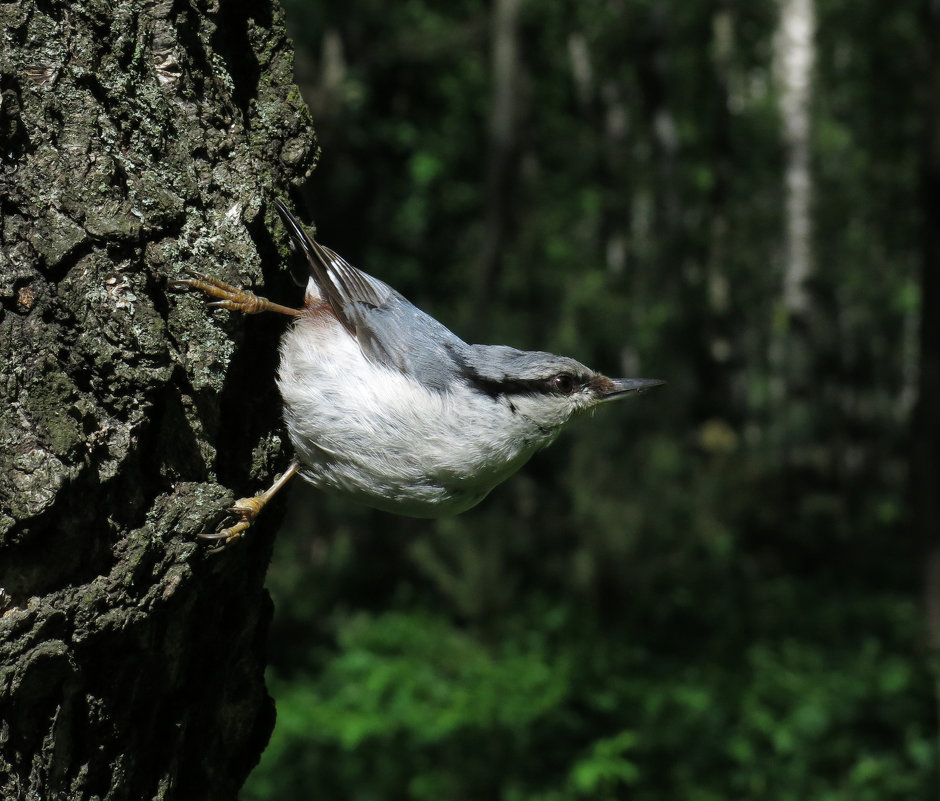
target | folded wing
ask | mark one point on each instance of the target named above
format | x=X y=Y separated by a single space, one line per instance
x=390 y=330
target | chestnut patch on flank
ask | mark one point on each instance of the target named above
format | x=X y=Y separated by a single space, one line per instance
x=318 y=311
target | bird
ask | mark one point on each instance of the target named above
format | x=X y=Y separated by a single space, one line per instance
x=385 y=405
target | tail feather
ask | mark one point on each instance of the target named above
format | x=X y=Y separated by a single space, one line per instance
x=338 y=281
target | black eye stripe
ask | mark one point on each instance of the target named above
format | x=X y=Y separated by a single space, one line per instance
x=559 y=384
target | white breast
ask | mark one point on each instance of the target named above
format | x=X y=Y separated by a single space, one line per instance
x=377 y=435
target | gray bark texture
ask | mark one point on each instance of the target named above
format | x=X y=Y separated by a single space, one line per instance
x=137 y=140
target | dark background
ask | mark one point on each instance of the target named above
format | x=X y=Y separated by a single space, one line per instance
x=710 y=592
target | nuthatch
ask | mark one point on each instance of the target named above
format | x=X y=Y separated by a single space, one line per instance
x=387 y=406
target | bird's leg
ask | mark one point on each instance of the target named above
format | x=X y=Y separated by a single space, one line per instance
x=231 y=297
x=249 y=508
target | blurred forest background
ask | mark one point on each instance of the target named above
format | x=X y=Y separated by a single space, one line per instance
x=714 y=591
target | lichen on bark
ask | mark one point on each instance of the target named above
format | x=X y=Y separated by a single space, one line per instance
x=138 y=142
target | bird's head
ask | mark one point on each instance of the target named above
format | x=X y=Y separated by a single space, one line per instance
x=546 y=389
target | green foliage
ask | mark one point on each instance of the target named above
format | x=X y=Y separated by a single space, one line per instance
x=706 y=593
x=415 y=675
x=411 y=708
x=606 y=767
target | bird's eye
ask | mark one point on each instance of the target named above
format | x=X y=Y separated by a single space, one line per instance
x=563 y=382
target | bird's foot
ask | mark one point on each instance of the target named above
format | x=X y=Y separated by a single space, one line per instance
x=231 y=297
x=248 y=509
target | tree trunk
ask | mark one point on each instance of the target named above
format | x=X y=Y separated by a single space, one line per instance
x=795 y=56
x=136 y=141
x=925 y=439
x=795 y=344
x=501 y=167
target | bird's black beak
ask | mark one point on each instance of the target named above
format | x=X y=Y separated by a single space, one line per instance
x=613 y=388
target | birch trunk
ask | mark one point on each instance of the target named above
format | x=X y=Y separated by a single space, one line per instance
x=138 y=140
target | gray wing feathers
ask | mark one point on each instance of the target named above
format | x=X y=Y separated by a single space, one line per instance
x=402 y=336
x=389 y=329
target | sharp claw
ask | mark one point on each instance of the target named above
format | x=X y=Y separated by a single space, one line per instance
x=226 y=536
x=181 y=283
x=218 y=535
x=194 y=276
x=247 y=509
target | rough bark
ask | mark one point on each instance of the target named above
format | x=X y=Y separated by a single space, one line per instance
x=136 y=141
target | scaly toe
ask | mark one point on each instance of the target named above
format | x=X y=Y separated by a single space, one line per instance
x=228 y=535
x=248 y=508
